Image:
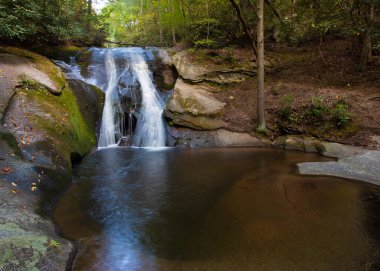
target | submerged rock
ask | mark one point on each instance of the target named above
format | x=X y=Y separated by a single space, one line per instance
x=193 y=107
x=363 y=167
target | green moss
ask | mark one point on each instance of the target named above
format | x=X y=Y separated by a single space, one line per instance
x=66 y=126
x=21 y=249
x=62 y=52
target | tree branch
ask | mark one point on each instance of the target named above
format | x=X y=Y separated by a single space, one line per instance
x=245 y=26
x=275 y=11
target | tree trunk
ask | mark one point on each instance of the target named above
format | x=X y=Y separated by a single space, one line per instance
x=173 y=22
x=245 y=26
x=260 y=67
x=160 y=23
x=208 y=23
x=366 y=52
x=89 y=7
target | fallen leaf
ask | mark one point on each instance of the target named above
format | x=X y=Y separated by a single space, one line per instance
x=13 y=191
x=6 y=170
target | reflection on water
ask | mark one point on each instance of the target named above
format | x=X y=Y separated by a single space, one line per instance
x=216 y=209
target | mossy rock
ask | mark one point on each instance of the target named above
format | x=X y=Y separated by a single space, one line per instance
x=66 y=122
x=62 y=52
x=41 y=63
x=90 y=101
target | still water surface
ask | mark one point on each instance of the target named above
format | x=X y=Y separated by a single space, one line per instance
x=216 y=209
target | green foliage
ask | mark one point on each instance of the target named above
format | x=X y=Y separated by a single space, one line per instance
x=53 y=22
x=200 y=23
x=341 y=115
x=30 y=84
x=318 y=111
x=285 y=112
x=55 y=244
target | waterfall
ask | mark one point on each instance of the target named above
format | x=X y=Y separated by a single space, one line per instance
x=150 y=131
x=133 y=107
x=108 y=127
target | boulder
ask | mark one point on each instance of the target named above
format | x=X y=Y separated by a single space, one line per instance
x=337 y=150
x=225 y=138
x=17 y=62
x=294 y=143
x=45 y=127
x=178 y=136
x=164 y=72
x=195 y=72
x=193 y=107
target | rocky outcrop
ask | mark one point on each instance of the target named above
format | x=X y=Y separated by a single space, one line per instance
x=193 y=107
x=43 y=130
x=218 y=138
x=23 y=68
x=164 y=72
x=191 y=71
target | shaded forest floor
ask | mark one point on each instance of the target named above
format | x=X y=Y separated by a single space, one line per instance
x=310 y=93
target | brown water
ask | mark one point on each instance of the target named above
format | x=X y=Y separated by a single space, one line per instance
x=217 y=209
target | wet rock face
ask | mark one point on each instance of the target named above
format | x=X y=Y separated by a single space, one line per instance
x=46 y=123
x=193 y=107
x=90 y=100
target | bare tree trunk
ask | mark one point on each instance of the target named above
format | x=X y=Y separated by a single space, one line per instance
x=208 y=23
x=173 y=30
x=366 y=54
x=260 y=67
x=89 y=7
x=89 y=12
x=160 y=23
x=245 y=26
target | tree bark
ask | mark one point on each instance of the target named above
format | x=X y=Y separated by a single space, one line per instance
x=89 y=7
x=173 y=30
x=260 y=67
x=245 y=26
x=160 y=23
x=366 y=52
x=208 y=23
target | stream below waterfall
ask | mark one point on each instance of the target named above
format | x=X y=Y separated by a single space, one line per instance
x=216 y=210
x=157 y=208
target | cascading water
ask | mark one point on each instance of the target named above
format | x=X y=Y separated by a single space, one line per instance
x=108 y=127
x=133 y=107
x=150 y=130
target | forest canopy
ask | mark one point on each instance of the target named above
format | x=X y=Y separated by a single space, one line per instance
x=196 y=23
x=50 y=22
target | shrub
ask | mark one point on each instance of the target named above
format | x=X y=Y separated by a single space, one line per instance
x=285 y=113
x=340 y=114
x=318 y=111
